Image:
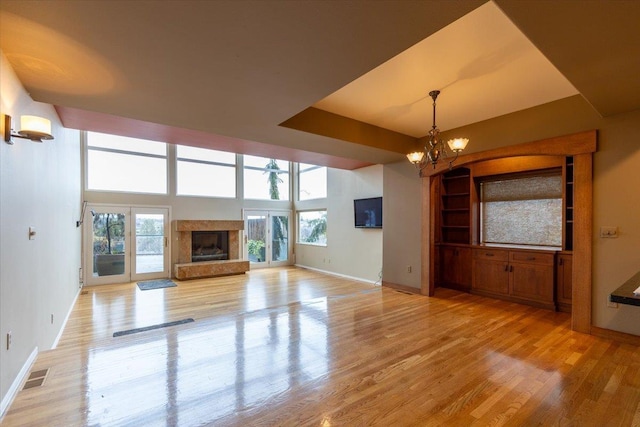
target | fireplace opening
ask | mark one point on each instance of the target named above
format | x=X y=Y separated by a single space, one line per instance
x=209 y=245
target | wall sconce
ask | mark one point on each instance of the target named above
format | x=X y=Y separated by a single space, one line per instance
x=33 y=128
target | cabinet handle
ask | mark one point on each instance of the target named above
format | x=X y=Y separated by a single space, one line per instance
x=488 y=254
x=506 y=267
x=511 y=269
x=531 y=258
x=561 y=261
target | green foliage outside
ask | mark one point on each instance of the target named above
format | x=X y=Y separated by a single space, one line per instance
x=255 y=247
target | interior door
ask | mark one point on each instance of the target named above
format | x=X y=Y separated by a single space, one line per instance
x=124 y=244
x=266 y=238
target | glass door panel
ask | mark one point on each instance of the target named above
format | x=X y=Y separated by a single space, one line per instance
x=108 y=245
x=279 y=233
x=151 y=257
x=256 y=238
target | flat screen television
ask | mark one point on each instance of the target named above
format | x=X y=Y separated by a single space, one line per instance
x=368 y=212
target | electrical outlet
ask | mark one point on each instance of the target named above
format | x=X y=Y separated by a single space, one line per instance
x=52 y=318
x=408 y=269
x=8 y=340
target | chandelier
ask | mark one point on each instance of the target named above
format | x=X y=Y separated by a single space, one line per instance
x=434 y=148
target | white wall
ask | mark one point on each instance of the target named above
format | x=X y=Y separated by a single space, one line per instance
x=402 y=210
x=39 y=187
x=352 y=252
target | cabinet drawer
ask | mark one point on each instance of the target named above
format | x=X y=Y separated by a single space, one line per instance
x=531 y=257
x=491 y=254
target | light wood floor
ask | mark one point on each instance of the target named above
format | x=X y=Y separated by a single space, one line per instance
x=291 y=347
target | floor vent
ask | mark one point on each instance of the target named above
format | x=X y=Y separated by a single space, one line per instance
x=36 y=379
x=84 y=292
x=404 y=292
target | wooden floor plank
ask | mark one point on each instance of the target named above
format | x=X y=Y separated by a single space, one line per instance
x=293 y=347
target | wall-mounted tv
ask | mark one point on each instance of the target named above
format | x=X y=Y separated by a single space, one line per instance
x=368 y=212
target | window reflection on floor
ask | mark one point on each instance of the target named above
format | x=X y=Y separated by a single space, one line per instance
x=234 y=362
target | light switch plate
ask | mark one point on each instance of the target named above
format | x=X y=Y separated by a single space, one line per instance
x=608 y=232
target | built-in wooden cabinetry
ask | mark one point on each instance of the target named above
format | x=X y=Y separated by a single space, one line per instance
x=454 y=268
x=525 y=276
x=537 y=277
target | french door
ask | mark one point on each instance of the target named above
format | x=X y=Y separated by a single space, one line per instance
x=266 y=238
x=124 y=244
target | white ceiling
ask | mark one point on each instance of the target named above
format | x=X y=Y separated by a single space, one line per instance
x=232 y=75
x=482 y=64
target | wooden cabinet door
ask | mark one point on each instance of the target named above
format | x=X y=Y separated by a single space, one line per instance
x=564 y=279
x=532 y=281
x=455 y=267
x=491 y=271
x=491 y=276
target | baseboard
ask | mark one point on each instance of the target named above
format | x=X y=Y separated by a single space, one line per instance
x=15 y=386
x=615 y=335
x=331 y=273
x=403 y=288
x=64 y=322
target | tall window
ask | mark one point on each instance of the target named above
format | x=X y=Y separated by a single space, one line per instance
x=312 y=182
x=203 y=172
x=118 y=163
x=525 y=210
x=266 y=179
x=312 y=227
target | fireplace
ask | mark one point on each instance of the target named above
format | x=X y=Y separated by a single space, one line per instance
x=209 y=246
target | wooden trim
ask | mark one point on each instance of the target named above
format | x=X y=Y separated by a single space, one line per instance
x=516 y=164
x=615 y=335
x=568 y=145
x=208 y=225
x=426 y=284
x=582 y=242
x=403 y=288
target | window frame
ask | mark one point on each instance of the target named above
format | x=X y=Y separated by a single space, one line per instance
x=310 y=169
x=299 y=228
x=552 y=172
x=286 y=172
x=234 y=166
x=85 y=135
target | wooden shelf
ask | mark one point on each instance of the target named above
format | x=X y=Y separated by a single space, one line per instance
x=455 y=207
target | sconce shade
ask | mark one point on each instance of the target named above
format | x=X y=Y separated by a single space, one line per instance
x=458 y=144
x=415 y=157
x=35 y=128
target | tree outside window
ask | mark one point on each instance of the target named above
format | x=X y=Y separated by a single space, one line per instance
x=312 y=227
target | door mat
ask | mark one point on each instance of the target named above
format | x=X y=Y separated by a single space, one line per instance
x=149 y=328
x=156 y=284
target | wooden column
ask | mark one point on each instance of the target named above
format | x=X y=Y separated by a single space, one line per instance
x=582 y=242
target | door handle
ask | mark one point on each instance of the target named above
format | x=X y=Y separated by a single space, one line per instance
x=166 y=242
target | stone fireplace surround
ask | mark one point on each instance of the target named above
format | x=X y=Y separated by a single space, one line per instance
x=185 y=269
